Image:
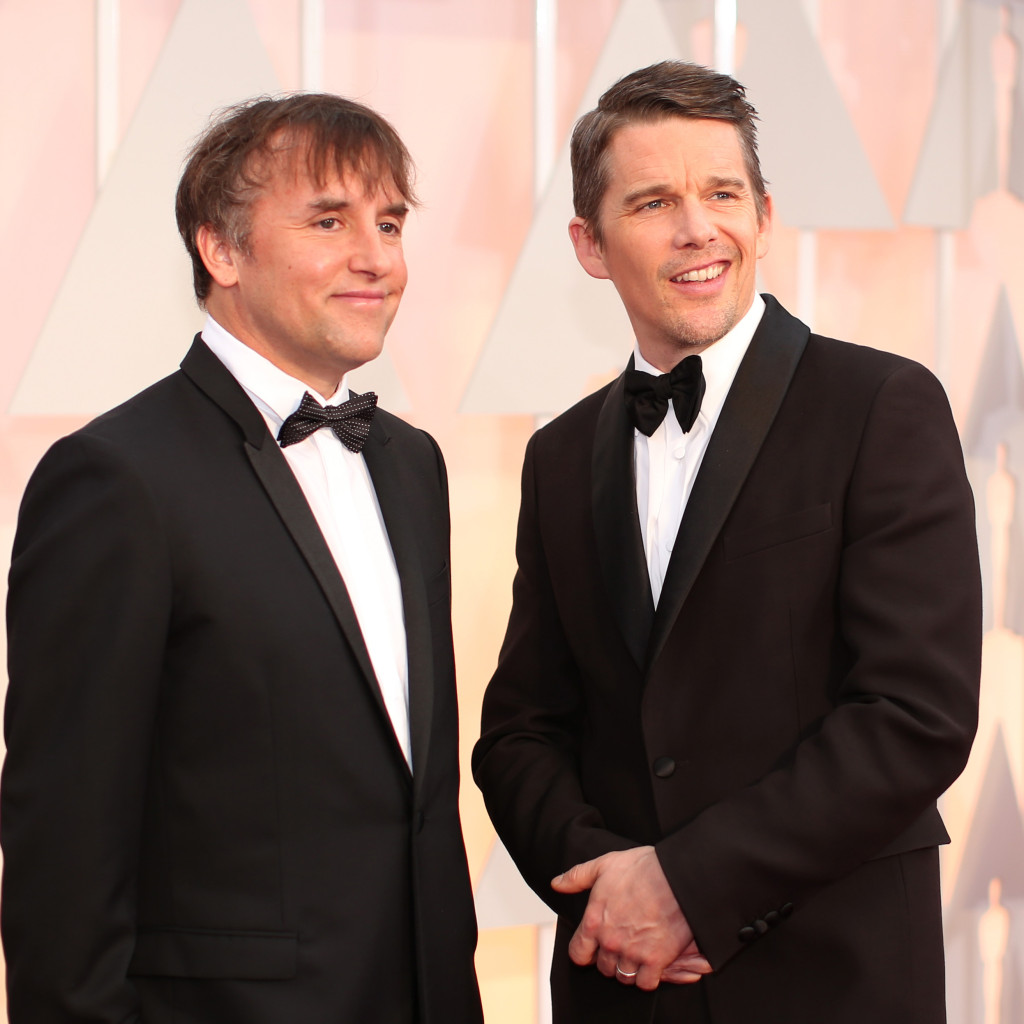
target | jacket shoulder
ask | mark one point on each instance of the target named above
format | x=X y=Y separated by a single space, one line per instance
x=142 y=423
x=845 y=360
x=414 y=441
x=578 y=421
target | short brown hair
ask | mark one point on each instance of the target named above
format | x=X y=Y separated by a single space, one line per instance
x=671 y=88
x=228 y=164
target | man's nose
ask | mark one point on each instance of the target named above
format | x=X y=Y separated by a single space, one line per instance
x=372 y=253
x=694 y=227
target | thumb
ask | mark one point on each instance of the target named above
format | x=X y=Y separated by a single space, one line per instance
x=578 y=878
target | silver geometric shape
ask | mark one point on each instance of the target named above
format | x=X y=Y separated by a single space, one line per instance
x=958 y=160
x=995 y=843
x=820 y=176
x=503 y=899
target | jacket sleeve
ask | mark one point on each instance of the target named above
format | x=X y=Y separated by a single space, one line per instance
x=88 y=610
x=907 y=619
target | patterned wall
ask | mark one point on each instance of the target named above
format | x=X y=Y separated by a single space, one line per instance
x=893 y=136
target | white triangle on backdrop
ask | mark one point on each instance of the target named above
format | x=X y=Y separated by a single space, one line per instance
x=682 y=16
x=556 y=326
x=125 y=313
x=958 y=161
x=503 y=899
x=819 y=175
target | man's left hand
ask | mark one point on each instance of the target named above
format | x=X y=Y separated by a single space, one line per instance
x=632 y=922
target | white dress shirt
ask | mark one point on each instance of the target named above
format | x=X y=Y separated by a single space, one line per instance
x=337 y=486
x=666 y=463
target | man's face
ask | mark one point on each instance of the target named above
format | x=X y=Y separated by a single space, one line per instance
x=324 y=273
x=681 y=234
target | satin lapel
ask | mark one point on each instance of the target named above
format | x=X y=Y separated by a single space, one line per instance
x=284 y=491
x=214 y=379
x=210 y=375
x=757 y=392
x=620 y=543
x=393 y=498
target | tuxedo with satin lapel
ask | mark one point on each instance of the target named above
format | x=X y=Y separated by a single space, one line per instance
x=781 y=726
x=206 y=816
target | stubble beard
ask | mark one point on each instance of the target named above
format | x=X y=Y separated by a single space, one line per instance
x=696 y=332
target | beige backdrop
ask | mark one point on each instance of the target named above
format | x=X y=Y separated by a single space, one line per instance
x=911 y=242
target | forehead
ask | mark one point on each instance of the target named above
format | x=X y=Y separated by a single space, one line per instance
x=672 y=148
x=291 y=180
x=293 y=170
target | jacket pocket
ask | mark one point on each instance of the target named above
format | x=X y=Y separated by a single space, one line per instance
x=210 y=953
x=780 y=530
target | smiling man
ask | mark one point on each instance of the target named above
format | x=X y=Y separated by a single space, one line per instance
x=231 y=787
x=743 y=655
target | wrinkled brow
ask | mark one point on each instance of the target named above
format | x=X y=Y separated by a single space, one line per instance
x=324 y=204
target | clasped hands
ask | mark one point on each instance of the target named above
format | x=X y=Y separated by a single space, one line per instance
x=633 y=928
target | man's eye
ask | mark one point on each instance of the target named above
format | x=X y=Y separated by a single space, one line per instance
x=327 y=222
x=390 y=228
x=722 y=195
x=654 y=204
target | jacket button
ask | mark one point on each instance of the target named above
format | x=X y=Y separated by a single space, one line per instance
x=772 y=918
x=761 y=927
x=418 y=822
x=664 y=767
x=786 y=909
x=747 y=934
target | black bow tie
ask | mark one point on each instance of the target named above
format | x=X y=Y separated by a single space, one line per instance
x=350 y=420
x=647 y=396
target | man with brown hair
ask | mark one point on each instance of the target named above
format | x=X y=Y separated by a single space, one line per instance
x=743 y=655
x=231 y=788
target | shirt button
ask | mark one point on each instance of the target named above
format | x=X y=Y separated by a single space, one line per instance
x=664 y=767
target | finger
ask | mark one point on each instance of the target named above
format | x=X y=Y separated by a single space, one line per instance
x=647 y=977
x=695 y=964
x=606 y=962
x=626 y=973
x=679 y=977
x=582 y=948
x=578 y=878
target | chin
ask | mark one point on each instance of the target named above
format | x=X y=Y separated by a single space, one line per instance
x=706 y=332
x=356 y=353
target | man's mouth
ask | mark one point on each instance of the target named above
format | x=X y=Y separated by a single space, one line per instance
x=363 y=295
x=704 y=274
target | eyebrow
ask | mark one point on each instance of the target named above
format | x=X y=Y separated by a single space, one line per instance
x=736 y=184
x=646 y=192
x=661 y=188
x=324 y=204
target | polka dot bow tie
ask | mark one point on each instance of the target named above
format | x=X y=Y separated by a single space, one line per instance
x=647 y=396
x=350 y=420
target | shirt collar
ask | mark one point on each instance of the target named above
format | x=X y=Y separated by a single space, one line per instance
x=276 y=393
x=719 y=362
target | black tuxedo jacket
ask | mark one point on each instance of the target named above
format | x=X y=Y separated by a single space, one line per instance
x=206 y=817
x=781 y=726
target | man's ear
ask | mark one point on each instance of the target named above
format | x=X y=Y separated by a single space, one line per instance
x=218 y=256
x=588 y=249
x=764 y=227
